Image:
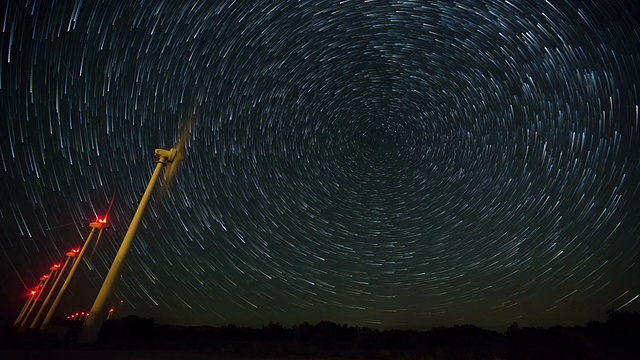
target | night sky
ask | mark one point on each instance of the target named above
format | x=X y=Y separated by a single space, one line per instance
x=389 y=164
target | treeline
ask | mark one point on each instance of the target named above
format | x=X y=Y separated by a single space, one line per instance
x=616 y=338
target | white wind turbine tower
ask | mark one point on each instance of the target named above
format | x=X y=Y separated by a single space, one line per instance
x=170 y=158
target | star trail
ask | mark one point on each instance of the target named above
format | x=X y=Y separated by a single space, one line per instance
x=390 y=164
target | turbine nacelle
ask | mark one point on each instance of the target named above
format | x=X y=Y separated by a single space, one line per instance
x=169 y=156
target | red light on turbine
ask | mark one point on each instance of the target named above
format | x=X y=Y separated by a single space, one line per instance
x=100 y=223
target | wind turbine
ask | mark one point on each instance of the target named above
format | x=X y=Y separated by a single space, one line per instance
x=171 y=159
x=46 y=278
x=95 y=246
x=70 y=255
x=99 y=224
x=27 y=305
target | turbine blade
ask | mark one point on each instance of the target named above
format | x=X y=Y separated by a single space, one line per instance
x=179 y=151
x=113 y=197
x=184 y=134
x=170 y=174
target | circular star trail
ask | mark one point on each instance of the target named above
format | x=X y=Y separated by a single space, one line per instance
x=392 y=164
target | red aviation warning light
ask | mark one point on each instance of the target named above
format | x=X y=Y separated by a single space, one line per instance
x=37 y=287
x=73 y=252
x=102 y=221
x=99 y=223
x=110 y=314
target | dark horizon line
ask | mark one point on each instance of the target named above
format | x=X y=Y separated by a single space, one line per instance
x=612 y=313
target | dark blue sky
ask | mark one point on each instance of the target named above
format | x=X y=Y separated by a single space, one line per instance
x=384 y=163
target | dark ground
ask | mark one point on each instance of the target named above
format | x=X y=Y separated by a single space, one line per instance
x=138 y=338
